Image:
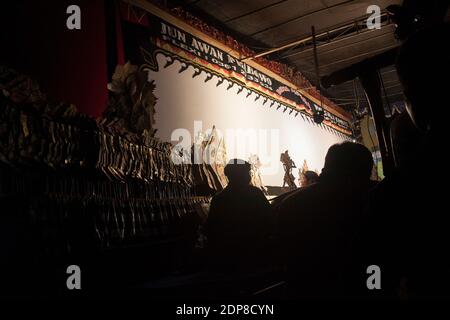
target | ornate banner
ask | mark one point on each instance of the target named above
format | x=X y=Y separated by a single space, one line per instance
x=143 y=43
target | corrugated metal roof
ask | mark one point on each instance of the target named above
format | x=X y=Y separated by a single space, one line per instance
x=266 y=24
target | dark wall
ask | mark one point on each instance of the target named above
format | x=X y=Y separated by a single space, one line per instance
x=70 y=65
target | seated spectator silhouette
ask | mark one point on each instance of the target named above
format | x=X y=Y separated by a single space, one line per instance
x=408 y=224
x=308 y=178
x=238 y=223
x=318 y=225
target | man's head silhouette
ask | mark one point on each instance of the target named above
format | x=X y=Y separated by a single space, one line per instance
x=348 y=161
x=238 y=172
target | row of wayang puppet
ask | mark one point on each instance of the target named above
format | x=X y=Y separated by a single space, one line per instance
x=84 y=185
x=32 y=139
x=29 y=138
x=109 y=222
x=120 y=158
x=35 y=130
x=107 y=213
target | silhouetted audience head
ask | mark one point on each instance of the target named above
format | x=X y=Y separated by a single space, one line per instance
x=308 y=178
x=238 y=172
x=348 y=161
x=421 y=63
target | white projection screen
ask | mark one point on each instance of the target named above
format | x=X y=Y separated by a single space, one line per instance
x=184 y=100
